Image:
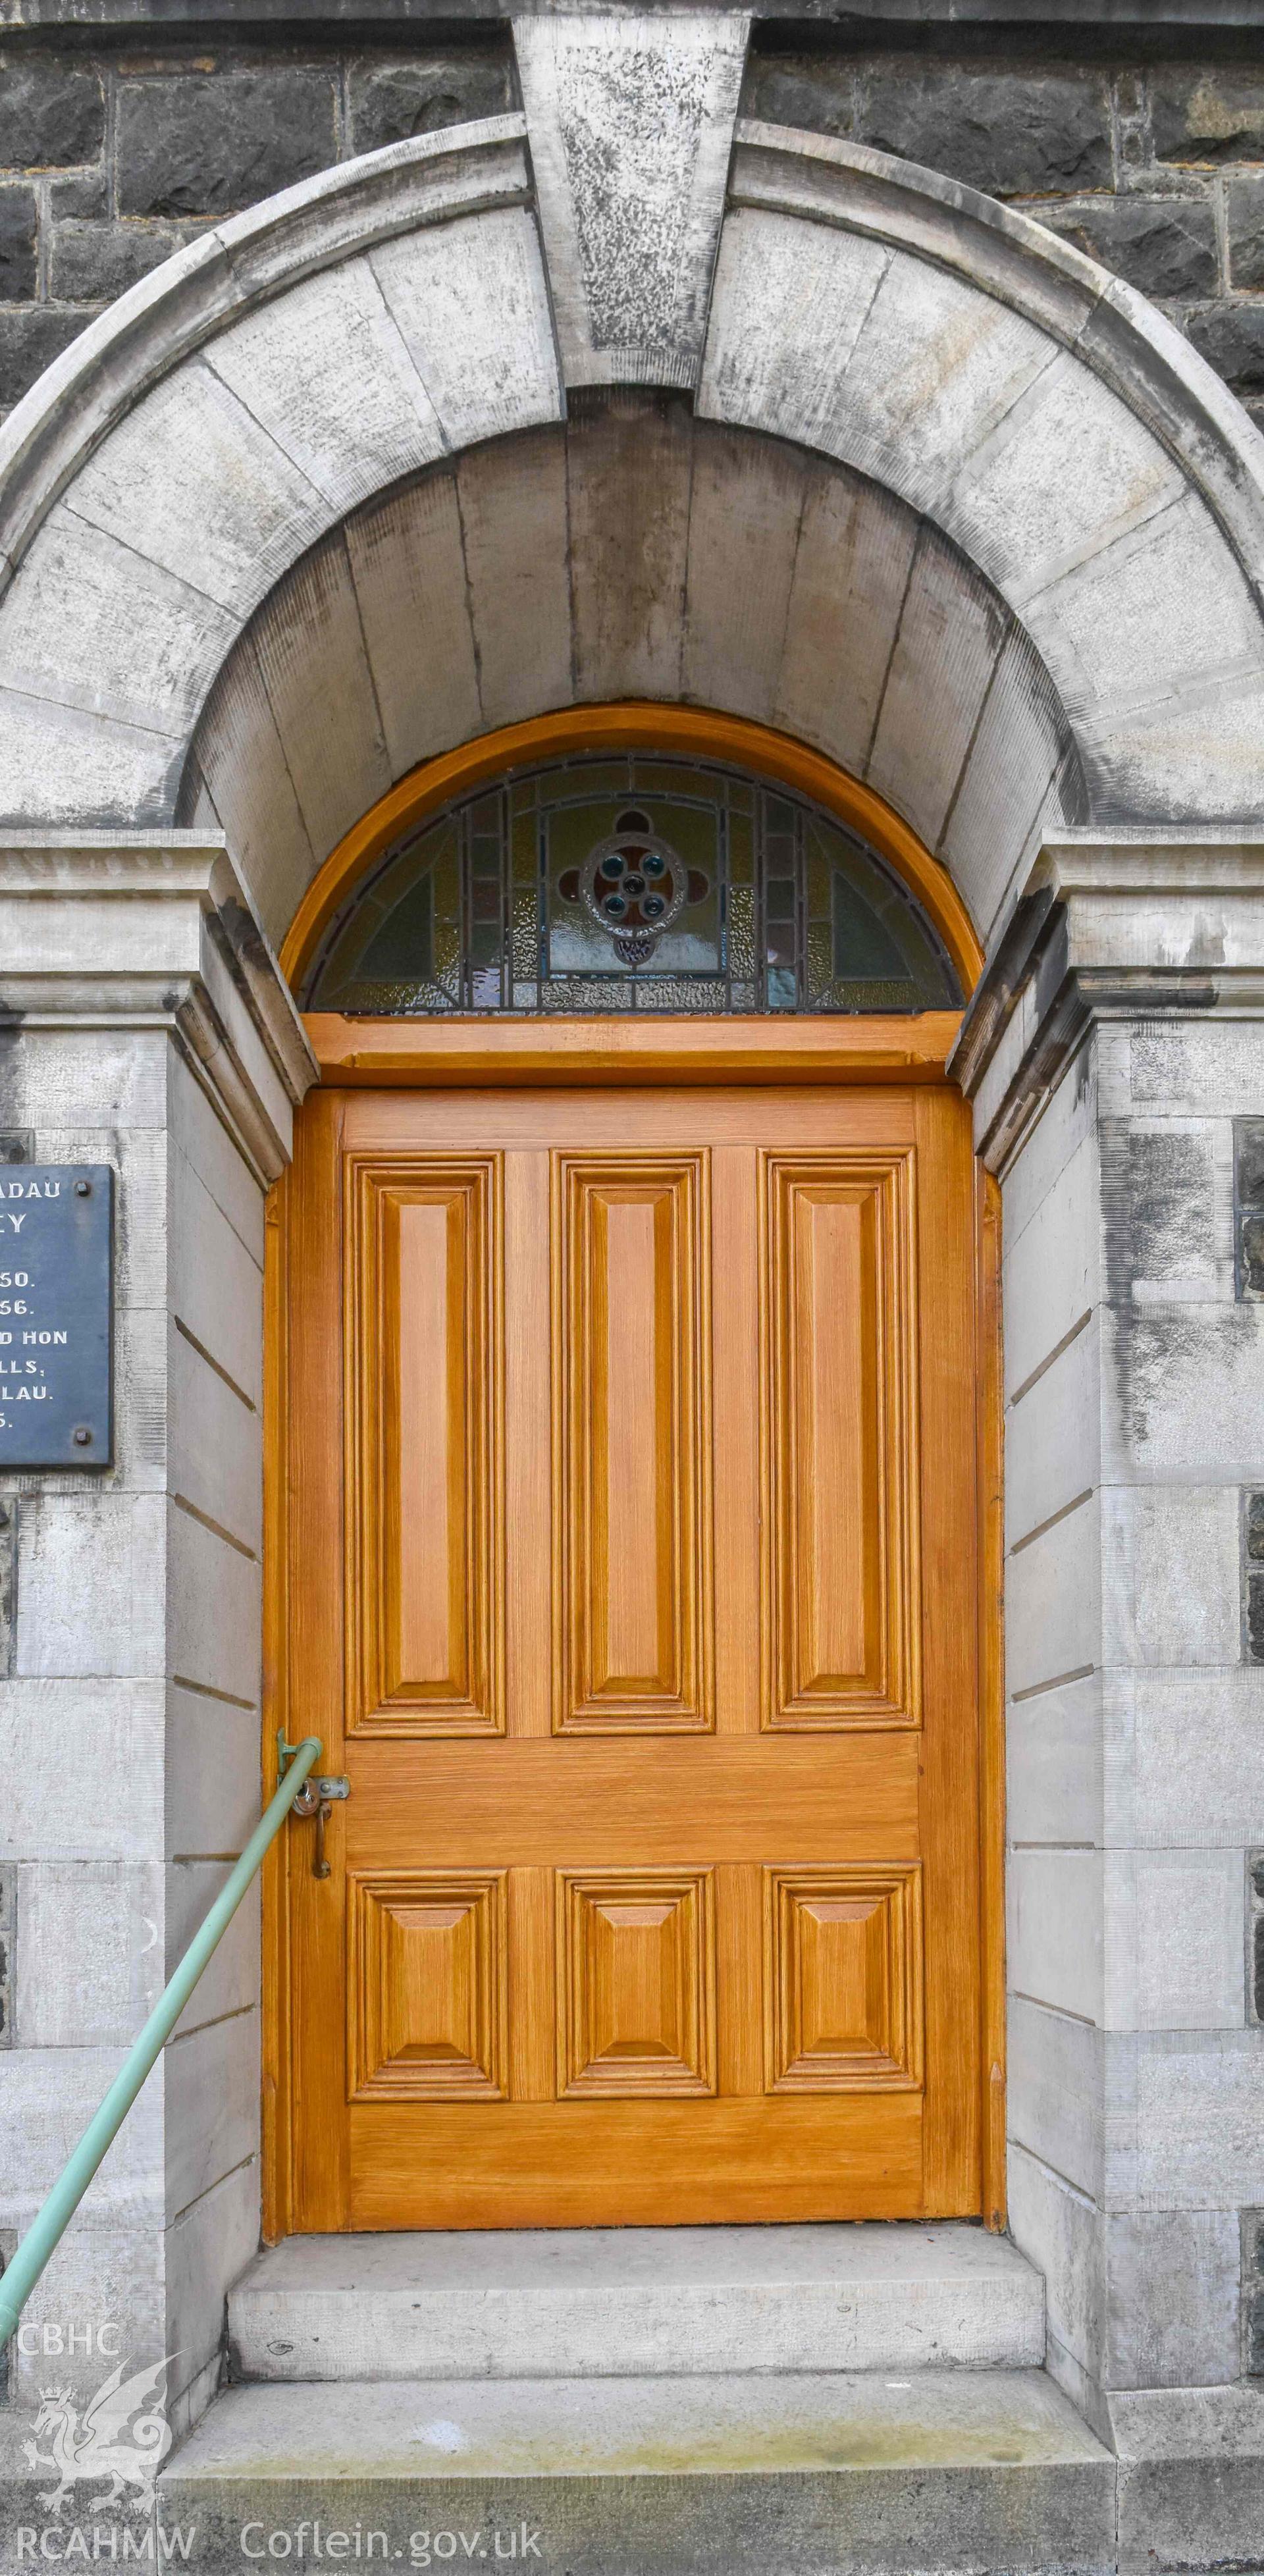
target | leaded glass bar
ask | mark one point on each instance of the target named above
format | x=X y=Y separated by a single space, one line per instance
x=631 y=883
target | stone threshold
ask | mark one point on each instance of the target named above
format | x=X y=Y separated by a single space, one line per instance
x=825 y=2474
x=570 y=2302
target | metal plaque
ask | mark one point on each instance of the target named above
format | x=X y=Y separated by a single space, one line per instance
x=56 y=1233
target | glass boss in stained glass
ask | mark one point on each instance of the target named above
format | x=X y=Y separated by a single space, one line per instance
x=631 y=883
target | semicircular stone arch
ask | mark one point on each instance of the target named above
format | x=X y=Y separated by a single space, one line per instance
x=632 y=554
x=295 y=422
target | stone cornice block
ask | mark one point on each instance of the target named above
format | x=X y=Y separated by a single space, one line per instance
x=1122 y=925
x=1150 y=904
x=631 y=121
x=157 y=929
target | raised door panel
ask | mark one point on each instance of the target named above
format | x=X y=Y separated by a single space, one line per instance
x=428 y=1985
x=839 y=1438
x=632 y=1502
x=636 y=1967
x=425 y=1446
x=843 y=1990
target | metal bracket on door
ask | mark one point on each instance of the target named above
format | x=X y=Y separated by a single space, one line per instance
x=316 y=1798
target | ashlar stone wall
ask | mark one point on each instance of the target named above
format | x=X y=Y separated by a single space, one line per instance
x=147 y=1031
x=1116 y=1099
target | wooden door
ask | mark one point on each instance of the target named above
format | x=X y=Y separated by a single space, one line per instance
x=632 y=1580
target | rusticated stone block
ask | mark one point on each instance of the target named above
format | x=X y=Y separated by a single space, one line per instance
x=391 y=101
x=816 y=92
x=1131 y=103
x=1207 y=115
x=211 y=143
x=1252 y=1252
x=83 y=197
x=30 y=339
x=1248 y=1155
x=10 y=1509
x=92 y=263
x=1253 y=1591
x=1255 y=1915
x=1244 y=207
x=52 y=113
x=1164 y=245
x=1248 y=1207
x=1230 y=336
x=17 y=244
x=1010 y=133
x=1253 y=2292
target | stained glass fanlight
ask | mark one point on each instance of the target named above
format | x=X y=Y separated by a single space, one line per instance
x=631 y=883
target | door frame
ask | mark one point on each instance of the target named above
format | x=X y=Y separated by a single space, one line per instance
x=511 y=1052
x=478 y=1053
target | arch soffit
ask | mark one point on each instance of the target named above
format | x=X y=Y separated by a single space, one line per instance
x=634 y=552
x=396 y=312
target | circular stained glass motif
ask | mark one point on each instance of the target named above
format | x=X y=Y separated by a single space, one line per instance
x=630 y=881
x=634 y=885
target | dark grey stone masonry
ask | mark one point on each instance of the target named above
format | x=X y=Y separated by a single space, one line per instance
x=1253 y=1649
x=110 y=161
x=1248 y=1216
x=210 y=142
x=123 y=132
x=1253 y=2255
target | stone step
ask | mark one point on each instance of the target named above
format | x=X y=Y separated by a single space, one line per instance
x=823 y=2474
x=566 y=2303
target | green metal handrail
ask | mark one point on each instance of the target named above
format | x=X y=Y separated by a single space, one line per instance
x=42 y=2239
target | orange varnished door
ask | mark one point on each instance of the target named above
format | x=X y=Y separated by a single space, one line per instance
x=633 y=1583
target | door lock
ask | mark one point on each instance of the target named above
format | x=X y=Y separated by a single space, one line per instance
x=316 y=1798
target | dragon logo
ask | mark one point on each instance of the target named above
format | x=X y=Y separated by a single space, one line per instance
x=120 y=2441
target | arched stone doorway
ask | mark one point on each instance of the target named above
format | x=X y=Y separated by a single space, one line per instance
x=649 y=1220
x=953 y=509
